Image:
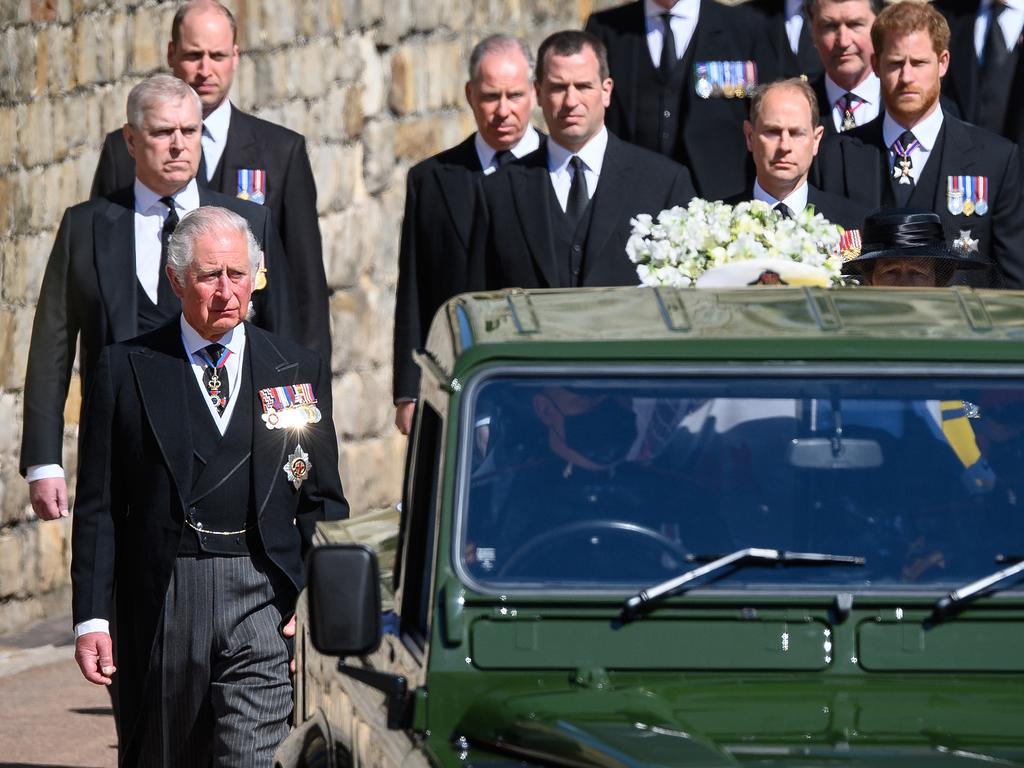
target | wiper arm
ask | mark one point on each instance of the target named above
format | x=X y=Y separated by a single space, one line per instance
x=951 y=602
x=638 y=602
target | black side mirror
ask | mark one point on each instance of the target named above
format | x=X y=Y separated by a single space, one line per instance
x=344 y=600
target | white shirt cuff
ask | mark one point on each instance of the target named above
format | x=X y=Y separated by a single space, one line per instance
x=92 y=625
x=43 y=471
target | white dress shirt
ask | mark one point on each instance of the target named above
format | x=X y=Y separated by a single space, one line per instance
x=794 y=23
x=150 y=215
x=592 y=155
x=796 y=201
x=528 y=142
x=234 y=340
x=869 y=92
x=1011 y=22
x=926 y=132
x=215 y=136
x=683 y=22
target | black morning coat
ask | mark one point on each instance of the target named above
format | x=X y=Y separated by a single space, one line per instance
x=89 y=295
x=711 y=129
x=856 y=165
x=136 y=476
x=512 y=240
x=251 y=144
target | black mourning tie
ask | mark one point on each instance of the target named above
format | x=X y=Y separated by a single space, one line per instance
x=503 y=157
x=215 y=375
x=668 y=47
x=578 y=197
x=165 y=296
x=995 y=53
x=784 y=211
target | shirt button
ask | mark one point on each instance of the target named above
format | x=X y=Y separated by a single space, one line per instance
x=576 y=271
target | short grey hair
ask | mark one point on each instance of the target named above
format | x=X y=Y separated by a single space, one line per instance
x=157 y=90
x=499 y=43
x=203 y=221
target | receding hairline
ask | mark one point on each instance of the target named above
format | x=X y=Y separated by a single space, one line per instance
x=201 y=6
x=498 y=45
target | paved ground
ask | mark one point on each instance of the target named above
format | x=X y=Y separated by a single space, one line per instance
x=52 y=717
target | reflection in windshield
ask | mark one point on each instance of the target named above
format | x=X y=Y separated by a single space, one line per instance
x=619 y=483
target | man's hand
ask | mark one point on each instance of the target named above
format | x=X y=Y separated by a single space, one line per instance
x=288 y=630
x=49 y=497
x=95 y=656
x=403 y=416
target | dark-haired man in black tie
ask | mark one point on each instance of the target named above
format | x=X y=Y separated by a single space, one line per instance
x=439 y=198
x=104 y=281
x=986 y=69
x=918 y=155
x=560 y=216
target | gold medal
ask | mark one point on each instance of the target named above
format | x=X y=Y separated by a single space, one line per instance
x=968 y=208
x=261 y=279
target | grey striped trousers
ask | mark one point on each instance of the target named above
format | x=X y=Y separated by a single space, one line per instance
x=219 y=693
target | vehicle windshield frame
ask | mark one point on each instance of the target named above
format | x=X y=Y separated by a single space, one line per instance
x=777 y=369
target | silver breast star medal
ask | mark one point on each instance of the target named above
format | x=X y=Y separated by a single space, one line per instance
x=298 y=466
x=965 y=244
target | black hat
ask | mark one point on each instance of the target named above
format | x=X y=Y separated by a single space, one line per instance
x=914 y=234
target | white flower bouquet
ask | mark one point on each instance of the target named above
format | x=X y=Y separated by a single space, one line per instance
x=681 y=244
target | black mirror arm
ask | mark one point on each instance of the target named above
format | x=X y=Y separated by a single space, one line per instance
x=394 y=687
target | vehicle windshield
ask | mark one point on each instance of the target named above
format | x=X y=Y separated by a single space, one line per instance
x=617 y=483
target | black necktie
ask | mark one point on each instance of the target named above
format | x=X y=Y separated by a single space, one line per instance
x=165 y=296
x=902 y=165
x=994 y=54
x=215 y=375
x=503 y=157
x=578 y=197
x=783 y=210
x=668 y=47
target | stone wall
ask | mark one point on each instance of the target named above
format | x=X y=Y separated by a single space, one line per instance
x=375 y=85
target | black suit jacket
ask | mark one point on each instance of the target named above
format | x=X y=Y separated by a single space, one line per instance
x=136 y=477
x=847 y=213
x=712 y=129
x=89 y=295
x=806 y=60
x=512 y=233
x=290 y=195
x=434 y=255
x=962 y=81
x=856 y=165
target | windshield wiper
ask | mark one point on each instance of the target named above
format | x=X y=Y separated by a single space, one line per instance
x=638 y=602
x=952 y=602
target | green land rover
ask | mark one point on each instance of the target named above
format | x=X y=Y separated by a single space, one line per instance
x=658 y=527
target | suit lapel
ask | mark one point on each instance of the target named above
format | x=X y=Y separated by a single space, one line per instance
x=269 y=369
x=630 y=44
x=608 y=206
x=957 y=158
x=241 y=150
x=532 y=195
x=114 y=252
x=161 y=375
x=457 y=180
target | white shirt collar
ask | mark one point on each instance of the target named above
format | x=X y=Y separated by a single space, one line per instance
x=233 y=339
x=793 y=8
x=926 y=132
x=1013 y=5
x=869 y=90
x=528 y=142
x=592 y=153
x=217 y=122
x=186 y=198
x=684 y=9
x=796 y=201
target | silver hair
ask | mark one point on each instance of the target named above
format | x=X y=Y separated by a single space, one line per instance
x=156 y=90
x=203 y=221
x=498 y=43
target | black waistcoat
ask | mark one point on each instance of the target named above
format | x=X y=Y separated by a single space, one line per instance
x=151 y=316
x=994 y=86
x=660 y=103
x=221 y=495
x=569 y=244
